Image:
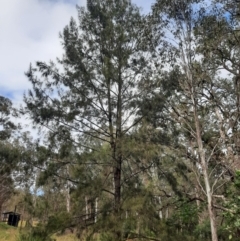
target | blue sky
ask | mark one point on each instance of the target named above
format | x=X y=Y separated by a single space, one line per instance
x=29 y=32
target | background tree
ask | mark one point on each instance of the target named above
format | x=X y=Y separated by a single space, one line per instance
x=7 y=154
x=191 y=104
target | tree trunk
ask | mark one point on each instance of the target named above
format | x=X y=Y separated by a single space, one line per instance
x=96 y=210
x=68 y=201
x=68 y=196
x=118 y=168
x=205 y=174
x=160 y=212
x=117 y=184
x=86 y=207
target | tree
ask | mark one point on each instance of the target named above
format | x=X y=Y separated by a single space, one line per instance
x=7 y=126
x=107 y=58
x=218 y=40
x=7 y=153
x=191 y=106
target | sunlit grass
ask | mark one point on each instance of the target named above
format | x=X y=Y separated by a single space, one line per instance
x=65 y=237
x=9 y=233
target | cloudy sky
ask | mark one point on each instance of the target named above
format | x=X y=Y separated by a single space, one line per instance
x=29 y=31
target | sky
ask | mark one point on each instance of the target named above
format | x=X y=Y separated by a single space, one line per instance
x=29 y=32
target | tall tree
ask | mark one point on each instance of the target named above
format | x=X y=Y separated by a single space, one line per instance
x=94 y=92
x=190 y=105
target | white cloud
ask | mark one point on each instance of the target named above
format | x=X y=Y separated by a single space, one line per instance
x=29 y=31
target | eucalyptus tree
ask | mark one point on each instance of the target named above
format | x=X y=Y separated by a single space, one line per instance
x=218 y=40
x=92 y=91
x=190 y=106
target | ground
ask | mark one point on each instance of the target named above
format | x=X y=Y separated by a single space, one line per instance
x=9 y=233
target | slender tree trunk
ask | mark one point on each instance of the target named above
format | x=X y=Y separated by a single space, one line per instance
x=117 y=185
x=118 y=146
x=118 y=150
x=117 y=174
x=113 y=147
x=205 y=174
x=160 y=212
x=68 y=200
x=191 y=86
x=86 y=207
x=167 y=214
x=68 y=197
x=96 y=210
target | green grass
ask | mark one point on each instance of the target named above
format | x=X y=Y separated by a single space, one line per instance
x=4 y=226
x=9 y=233
x=66 y=237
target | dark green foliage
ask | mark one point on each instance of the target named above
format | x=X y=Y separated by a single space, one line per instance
x=34 y=237
x=10 y=153
x=43 y=232
x=231 y=214
x=7 y=126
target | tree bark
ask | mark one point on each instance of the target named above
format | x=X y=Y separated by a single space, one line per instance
x=205 y=174
x=96 y=210
x=68 y=200
x=117 y=184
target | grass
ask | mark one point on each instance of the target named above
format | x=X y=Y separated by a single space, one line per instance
x=9 y=233
x=65 y=237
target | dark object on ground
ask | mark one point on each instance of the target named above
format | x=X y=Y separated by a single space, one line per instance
x=12 y=218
